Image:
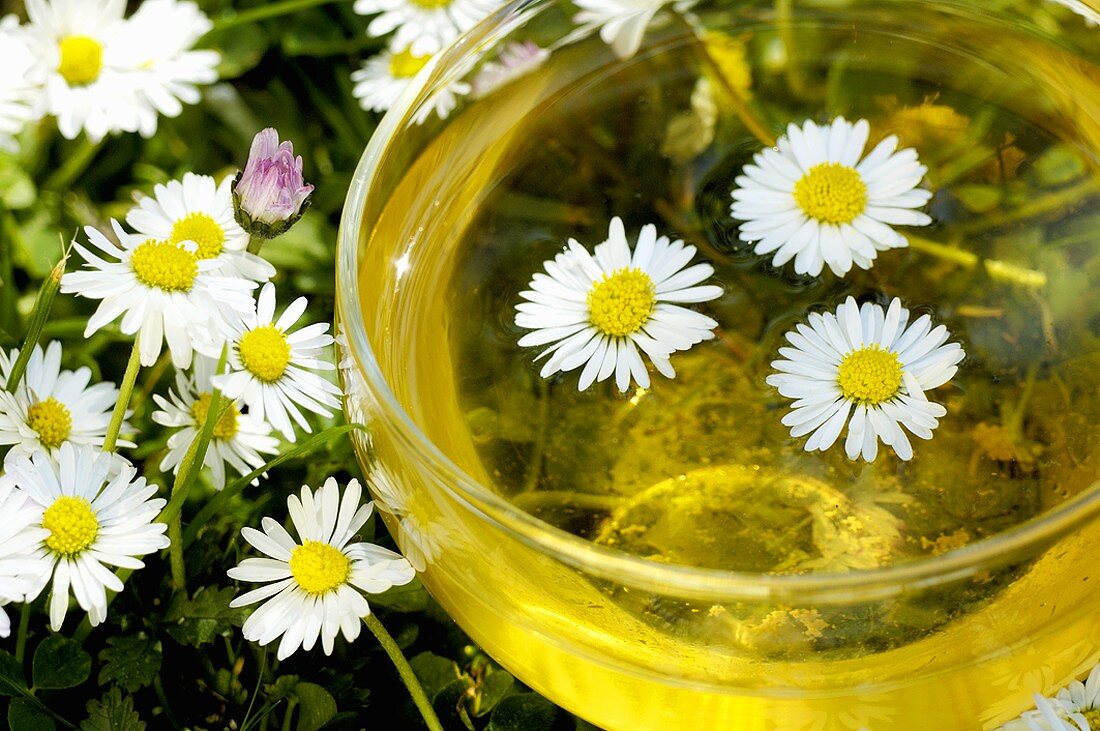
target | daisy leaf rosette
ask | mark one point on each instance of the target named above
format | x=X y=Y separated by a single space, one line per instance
x=314 y=585
x=52 y=406
x=816 y=199
x=21 y=572
x=90 y=512
x=871 y=365
x=272 y=365
x=424 y=28
x=602 y=311
x=198 y=209
x=163 y=292
x=239 y=440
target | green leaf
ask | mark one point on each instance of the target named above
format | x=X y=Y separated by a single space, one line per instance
x=17 y=189
x=410 y=597
x=434 y=672
x=523 y=712
x=241 y=49
x=131 y=662
x=283 y=687
x=494 y=687
x=113 y=712
x=1058 y=166
x=25 y=716
x=315 y=705
x=60 y=663
x=12 y=680
x=206 y=615
x=451 y=703
x=979 y=198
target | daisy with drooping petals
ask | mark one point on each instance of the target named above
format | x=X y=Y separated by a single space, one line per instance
x=20 y=571
x=622 y=23
x=599 y=310
x=271 y=366
x=51 y=406
x=812 y=199
x=95 y=514
x=384 y=78
x=424 y=26
x=200 y=210
x=314 y=586
x=238 y=438
x=161 y=290
x=17 y=92
x=868 y=364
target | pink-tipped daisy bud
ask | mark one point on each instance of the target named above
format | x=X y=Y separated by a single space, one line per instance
x=270 y=195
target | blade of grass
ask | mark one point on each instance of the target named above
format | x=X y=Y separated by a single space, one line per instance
x=39 y=315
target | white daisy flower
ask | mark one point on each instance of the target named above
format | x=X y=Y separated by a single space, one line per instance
x=515 y=60
x=20 y=571
x=161 y=290
x=17 y=92
x=598 y=310
x=622 y=23
x=812 y=199
x=51 y=406
x=200 y=210
x=424 y=26
x=1081 y=701
x=421 y=541
x=1048 y=715
x=95 y=514
x=871 y=365
x=239 y=439
x=314 y=586
x=270 y=365
x=384 y=77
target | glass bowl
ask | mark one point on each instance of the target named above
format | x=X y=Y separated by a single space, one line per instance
x=631 y=643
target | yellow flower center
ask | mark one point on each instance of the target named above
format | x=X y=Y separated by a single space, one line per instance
x=869 y=375
x=52 y=420
x=81 y=60
x=164 y=265
x=318 y=567
x=621 y=303
x=1092 y=715
x=404 y=65
x=226 y=426
x=265 y=353
x=432 y=4
x=203 y=230
x=831 y=193
x=72 y=525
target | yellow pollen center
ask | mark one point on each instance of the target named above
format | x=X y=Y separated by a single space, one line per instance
x=265 y=353
x=432 y=4
x=203 y=230
x=318 y=567
x=621 y=303
x=72 y=525
x=1092 y=715
x=869 y=376
x=831 y=193
x=81 y=59
x=226 y=426
x=405 y=65
x=52 y=420
x=164 y=265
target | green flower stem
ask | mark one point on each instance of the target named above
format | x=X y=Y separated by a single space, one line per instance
x=39 y=315
x=267 y=11
x=73 y=166
x=256 y=690
x=1039 y=206
x=255 y=243
x=126 y=390
x=408 y=677
x=785 y=16
x=21 y=636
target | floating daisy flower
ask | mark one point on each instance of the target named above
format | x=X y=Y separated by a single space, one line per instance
x=17 y=93
x=200 y=210
x=868 y=364
x=94 y=514
x=20 y=571
x=515 y=60
x=161 y=290
x=812 y=199
x=622 y=23
x=314 y=586
x=384 y=78
x=51 y=406
x=599 y=310
x=238 y=440
x=271 y=366
x=424 y=26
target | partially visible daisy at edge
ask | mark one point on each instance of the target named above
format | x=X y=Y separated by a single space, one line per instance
x=383 y=78
x=18 y=93
x=272 y=366
x=163 y=292
x=96 y=513
x=314 y=585
x=601 y=311
x=20 y=571
x=421 y=541
x=868 y=364
x=1081 y=700
x=424 y=27
x=514 y=61
x=623 y=23
x=51 y=406
x=1048 y=715
x=238 y=439
x=816 y=199
x=198 y=209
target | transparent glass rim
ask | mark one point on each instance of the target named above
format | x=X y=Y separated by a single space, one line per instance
x=1019 y=543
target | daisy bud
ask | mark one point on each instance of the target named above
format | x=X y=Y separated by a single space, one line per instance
x=270 y=195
